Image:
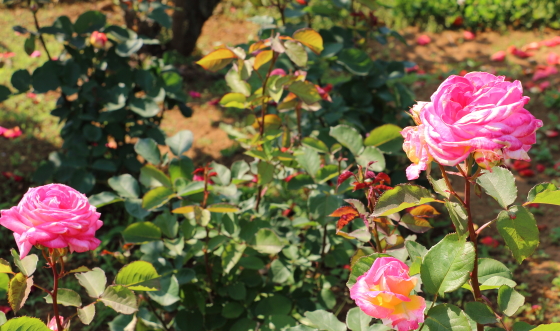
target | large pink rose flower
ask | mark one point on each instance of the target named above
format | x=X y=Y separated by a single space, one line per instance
x=384 y=292
x=479 y=112
x=54 y=216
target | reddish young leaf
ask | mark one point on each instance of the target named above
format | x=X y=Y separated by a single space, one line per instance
x=346 y=214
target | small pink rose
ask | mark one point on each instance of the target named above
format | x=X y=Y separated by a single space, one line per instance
x=35 y=54
x=98 y=39
x=54 y=216
x=423 y=40
x=498 y=56
x=278 y=72
x=10 y=133
x=552 y=59
x=468 y=35
x=195 y=94
x=52 y=324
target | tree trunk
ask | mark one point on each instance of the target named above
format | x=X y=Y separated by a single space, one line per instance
x=188 y=20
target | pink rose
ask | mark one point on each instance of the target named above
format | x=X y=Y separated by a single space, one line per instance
x=477 y=112
x=98 y=39
x=423 y=40
x=54 y=216
x=384 y=292
x=498 y=56
x=52 y=324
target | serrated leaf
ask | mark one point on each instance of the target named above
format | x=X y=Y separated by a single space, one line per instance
x=509 y=300
x=125 y=185
x=217 y=59
x=148 y=149
x=499 y=184
x=24 y=324
x=65 y=297
x=309 y=38
x=87 y=313
x=138 y=276
x=480 y=313
x=222 y=208
x=370 y=154
x=180 y=142
x=5 y=267
x=546 y=193
x=416 y=252
x=357 y=320
x=519 y=229
x=306 y=91
x=458 y=216
x=20 y=287
x=157 y=197
x=296 y=53
x=93 y=281
x=151 y=176
x=447 y=317
x=400 y=198
x=120 y=298
x=348 y=137
x=447 y=265
x=27 y=265
x=141 y=232
x=325 y=320
x=266 y=241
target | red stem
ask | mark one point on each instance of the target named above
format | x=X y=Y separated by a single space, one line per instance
x=54 y=293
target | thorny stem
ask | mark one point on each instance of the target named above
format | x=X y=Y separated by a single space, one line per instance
x=206 y=193
x=485 y=226
x=473 y=237
x=448 y=183
x=153 y=309
x=41 y=36
x=376 y=237
x=52 y=262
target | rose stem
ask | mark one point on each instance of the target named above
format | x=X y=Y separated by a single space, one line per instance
x=54 y=293
x=473 y=237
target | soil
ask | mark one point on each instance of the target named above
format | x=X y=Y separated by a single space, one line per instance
x=447 y=51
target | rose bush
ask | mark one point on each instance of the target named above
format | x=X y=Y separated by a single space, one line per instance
x=54 y=216
x=479 y=112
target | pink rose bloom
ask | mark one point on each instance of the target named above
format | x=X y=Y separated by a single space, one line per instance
x=278 y=72
x=54 y=216
x=477 y=112
x=384 y=292
x=52 y=324
x=423 y=40
x=98 y=39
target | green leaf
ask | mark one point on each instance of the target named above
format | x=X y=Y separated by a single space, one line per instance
x=45 y=78
x=66 y=297
x=416 y=252
x=237 y=85
x=327 y=173
x=138 y=276
x=480 y=313
x=321 y=205
x=447 y=265
x=266 y=172
x=519 y=229
x=509 y=300
x=488 y=268
x=361 y=266
x=151 y=176
x=234 y=100
x=325 y=320
x=306 y=91
x=281 y=272
x=3 y=318
x=369 y=154
x=309 y=160
x=134 y=208
x=266 y=241
x=87 y=313
x=142 y=232
x=274 y=305
x=296 y=52
x=24 y=324
x=348 y=137
x=157 y=197
x=129 y=47
x=546 y=193
x=104 y=198
x=499 y=184
x=21 y=79
x=125 y=185
x=440 y=186
x=523 y=326
x=28 y=265
x=93 y=281
x=148 y=149
x=120 y=298
x=316 y=144
x=546 y=327
x=168 y=293
x=5 y=267
x=400 y=198
x=415 y=224
x=356 y=61
x=168 y=224
x=20 y=287
x=387 y=138
x=222 y=208
x=357 y=320
x=231 y=255
x=4 y=286
x=29 y=44
x=447 y=317
x=181 y=168
x=4 y=93
x=232 y=310
x=89 y=21
x=159 y=15
x=458 y=216
x=180 y=142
